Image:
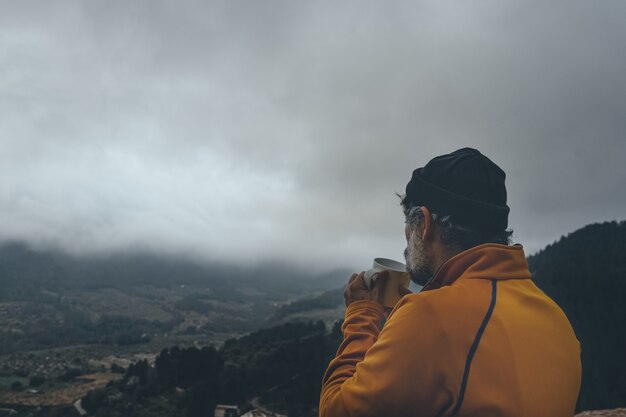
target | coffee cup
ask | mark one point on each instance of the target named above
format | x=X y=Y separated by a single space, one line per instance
x=397 y=277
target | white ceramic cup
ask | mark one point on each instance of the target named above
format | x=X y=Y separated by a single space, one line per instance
x=397 y=277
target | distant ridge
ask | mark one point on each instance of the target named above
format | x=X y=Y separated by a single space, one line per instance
x=23 y=270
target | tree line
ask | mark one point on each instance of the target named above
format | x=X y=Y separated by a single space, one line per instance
x=281 y=367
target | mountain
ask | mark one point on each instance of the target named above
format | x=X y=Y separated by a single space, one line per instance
x=23 y=269
x=49 y=299
x=328 y=306
x=585 y=273
x=206 y=313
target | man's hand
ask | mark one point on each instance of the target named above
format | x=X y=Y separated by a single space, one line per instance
x=356 y=289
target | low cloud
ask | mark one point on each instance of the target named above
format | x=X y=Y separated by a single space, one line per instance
x=281 y=130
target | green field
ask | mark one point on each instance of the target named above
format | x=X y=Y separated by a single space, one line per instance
x=6 y=381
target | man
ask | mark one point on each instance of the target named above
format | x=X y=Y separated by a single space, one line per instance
x=480 y=339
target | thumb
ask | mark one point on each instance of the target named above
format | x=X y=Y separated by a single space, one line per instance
x=380 y=280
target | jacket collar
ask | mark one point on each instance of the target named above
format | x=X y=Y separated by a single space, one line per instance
x=487 y=261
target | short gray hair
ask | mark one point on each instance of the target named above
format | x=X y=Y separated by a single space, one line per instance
x=452 y=234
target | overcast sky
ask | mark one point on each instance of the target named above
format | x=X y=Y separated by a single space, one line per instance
x=246 y=131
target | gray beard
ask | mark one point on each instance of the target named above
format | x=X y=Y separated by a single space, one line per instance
x=419 y=269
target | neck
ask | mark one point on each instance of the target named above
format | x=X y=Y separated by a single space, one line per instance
x=440 y=254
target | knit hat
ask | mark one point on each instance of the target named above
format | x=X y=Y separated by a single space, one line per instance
x=464 y=184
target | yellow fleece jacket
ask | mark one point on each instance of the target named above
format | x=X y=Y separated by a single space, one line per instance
x=481 y=340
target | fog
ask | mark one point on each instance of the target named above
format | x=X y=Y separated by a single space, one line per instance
x=281 y=130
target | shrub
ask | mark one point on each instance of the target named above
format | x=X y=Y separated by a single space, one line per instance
x=117 y=369
x=36 y=381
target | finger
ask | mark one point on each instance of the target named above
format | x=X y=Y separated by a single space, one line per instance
x=346 y=291
x=370 y=279
x=359 y=281
x=378 y=289
x=381 y=280
x=356 y=281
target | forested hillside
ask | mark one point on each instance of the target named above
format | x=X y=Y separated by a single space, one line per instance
x=585 y=273
x=280 y=368
x=49 y=299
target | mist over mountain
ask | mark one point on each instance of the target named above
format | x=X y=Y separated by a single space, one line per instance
x=49 y=299
x=23 y=269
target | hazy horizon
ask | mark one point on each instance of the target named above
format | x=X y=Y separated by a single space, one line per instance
x=283 y=265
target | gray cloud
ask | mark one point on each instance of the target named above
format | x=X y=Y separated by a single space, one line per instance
x=282 y=129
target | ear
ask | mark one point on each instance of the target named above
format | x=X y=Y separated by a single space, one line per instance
x=428 y=224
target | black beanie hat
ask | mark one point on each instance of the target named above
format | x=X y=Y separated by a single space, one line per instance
x=464 y=184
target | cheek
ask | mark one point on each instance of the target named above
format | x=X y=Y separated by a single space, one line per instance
x=407 y=232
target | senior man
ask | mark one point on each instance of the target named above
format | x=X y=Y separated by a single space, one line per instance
x=480 y=339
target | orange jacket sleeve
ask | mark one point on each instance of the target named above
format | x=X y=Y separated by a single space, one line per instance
x=396 y=372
